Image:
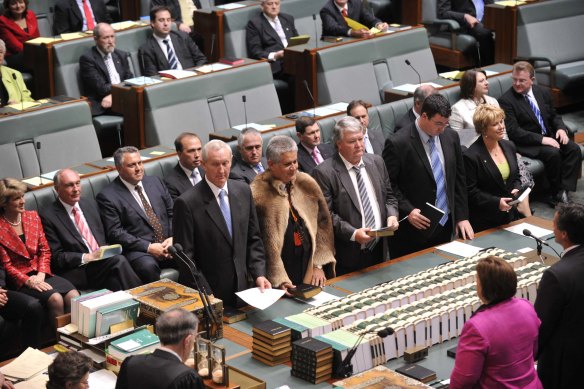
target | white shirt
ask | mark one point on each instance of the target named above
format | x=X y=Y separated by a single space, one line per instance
x=215 y=189
x=165 y=51
x=69 y=210
x=188 y=172
x=110 y=66
x=134 y=193
x=425 y=138
x=282 y=35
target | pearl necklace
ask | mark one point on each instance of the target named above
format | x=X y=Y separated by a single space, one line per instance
x=18 y=220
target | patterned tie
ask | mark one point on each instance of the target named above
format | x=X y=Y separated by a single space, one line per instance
x=152 y=218
x=259 y=168
x=195 y=177
x=111 y=69
x=170 y=54
x=225 y=210
x=479 y=8
x=344 y=12
x=316 y=156
x=537 y=113
x=280 y=31
x=84 y=230
x=88 y=15
x=367 y=209
x=441 y=197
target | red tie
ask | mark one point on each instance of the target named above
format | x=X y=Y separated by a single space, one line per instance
x=88 y=15
x=84 y=230
x=344 y=12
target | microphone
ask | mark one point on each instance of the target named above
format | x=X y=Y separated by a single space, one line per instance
x=311 y=98
x=412 y=66
x=479 y=54
x=19 y=91
x=540 y=243
x=37 y=146
x=345 y=369
x=244 y=99
x=315 y=30
x=212 y=48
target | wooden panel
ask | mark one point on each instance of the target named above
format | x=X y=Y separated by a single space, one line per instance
x=503 y=20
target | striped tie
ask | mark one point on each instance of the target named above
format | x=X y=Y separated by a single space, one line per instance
x=170 y=54
x=84 y=230
x=441 y=197
x=537 y=114
x=365 y=203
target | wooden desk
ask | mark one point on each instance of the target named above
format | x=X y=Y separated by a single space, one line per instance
x=130 y=9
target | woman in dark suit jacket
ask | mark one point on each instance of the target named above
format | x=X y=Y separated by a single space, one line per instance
x=25 y=253
x=492 y=174
x=18 y=24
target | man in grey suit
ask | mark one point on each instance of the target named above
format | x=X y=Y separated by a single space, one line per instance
x=137 y=213
x=188 y=171
x=311 y=152
x=358 y=193
x=167 y=49
x=250 y=162
x=374 y=139
x=217 y=226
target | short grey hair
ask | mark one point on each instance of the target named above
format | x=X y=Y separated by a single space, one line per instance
x=247 y=131
x=175 y=325
x=119 y=154
x=279 y=145
x=2 y=46
x=214 y=145
x=97 y=29
x=346 y=124
x=59 y=173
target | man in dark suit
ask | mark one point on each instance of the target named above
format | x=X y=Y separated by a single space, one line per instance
x=374 y=139
x=310 y=151
x=71 y=16
x=559 y=305
x=101 y=67
x=539 y=132
x=136 y=211
x=165 y=367
x=425 y=164
x=188 y=170
x=333 y=16
x=469 y=14
x=358 y=192
x=182 y=16
x=420 y=94
x=167 y=49
x=75 y=232
x=217 y=225
x=250 y=162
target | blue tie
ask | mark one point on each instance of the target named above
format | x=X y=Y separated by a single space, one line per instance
x=441 y=197
x=225 y=210
x=537 y=113
x=259 y=168
x=479 y=8
x=170 y=54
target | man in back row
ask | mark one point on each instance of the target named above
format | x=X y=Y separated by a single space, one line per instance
x=188 y=170
x=333 y=16
x=250 y=162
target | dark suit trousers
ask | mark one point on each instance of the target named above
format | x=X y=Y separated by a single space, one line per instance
x=408 y=239
x=147 y=267
x=113 y=273
x=484 y=37
x=31 y=314
x=366 y=258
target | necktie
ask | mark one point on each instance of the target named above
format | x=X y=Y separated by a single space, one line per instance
x=195 y=177
x=344 y=12
x=259 y=168
x=368 y=146
x=111 y=69
x=152 y=218
x=316 y=156
x=280 y=31
x=441 y=197
x=225 y=210
x=88 y=15
x=172 y=62
x=537 y=113
x=365 y=203
x=84 y=230
x=479 y=8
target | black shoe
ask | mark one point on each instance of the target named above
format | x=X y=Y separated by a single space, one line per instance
x=562 y=197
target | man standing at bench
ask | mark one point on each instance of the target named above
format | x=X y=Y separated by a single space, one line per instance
x=75 y=232
x=539 y=132
x=167 y=49
x=137 y=213
x=188 y=171
x=101 y=67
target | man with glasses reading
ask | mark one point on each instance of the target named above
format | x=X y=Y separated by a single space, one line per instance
x=425 y=165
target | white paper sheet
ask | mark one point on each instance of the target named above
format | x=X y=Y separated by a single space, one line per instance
x=535 y=230
x=412 y=87
x=231 y=6
x=459 y=248
x=260 y=300
x=213 y=67
x=259 y=127
x=319 y=299
x=102 y=379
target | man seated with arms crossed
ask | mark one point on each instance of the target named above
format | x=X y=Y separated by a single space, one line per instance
x=165 y=367
x=420 y=94
x=101 y=67
x=374 y=139
x=310 y=151
x=188 y=171
x=78 y=15
x=333 y=16
x=136 y=211
x=167 y=49
x=359 y=196
x=75 y=233
x=250 y=162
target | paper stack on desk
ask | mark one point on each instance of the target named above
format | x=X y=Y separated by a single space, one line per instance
x=28 y=364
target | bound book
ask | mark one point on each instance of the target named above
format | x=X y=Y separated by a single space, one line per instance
x=298 y=40
x=417 y=372
x=434 y=214
x=139 y=342
x=305 y=291
x=233 y=61
x=114 y=314
x=271 y=330
x=232 y=315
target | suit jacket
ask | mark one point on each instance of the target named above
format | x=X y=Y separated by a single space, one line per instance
x=174 y=6
x=559 y=306
x=227 y=263
x=124 y=220
x=160 y=369
x=333 y=22
x=413 y=181
x=96 y=79
x=177 y=181
x=377 y=140
x=496 y=348
x=186 y=51
x=241 y=171
x=305 y=162
x=455 y=9
x=261 y=38
x=485 y=184
x=20 y=258
x=14 y=36
x=520 y=121
x=407 y=119
x=68 y=17
x=14 y=87
x=343 y=202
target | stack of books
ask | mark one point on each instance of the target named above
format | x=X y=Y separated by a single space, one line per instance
x=312 y=360
x=141 y=341
x=271 y=343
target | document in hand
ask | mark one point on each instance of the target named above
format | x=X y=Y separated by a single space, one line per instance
x=260 y=300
